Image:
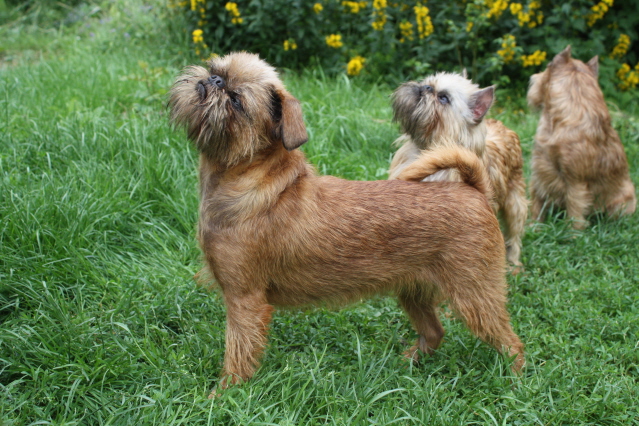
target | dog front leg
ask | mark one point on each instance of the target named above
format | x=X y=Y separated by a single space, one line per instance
x=247 y=320
x=623 y=202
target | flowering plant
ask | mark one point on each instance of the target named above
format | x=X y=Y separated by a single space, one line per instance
x=495 y=40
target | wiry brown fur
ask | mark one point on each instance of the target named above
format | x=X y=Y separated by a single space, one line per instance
x=275 y=234
x=578 y=160
x=428 y=123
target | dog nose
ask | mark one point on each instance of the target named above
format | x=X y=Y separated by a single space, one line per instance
x=216 y=80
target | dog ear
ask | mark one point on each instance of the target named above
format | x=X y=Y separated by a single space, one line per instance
x=593 y=64
x=289 y=120
x=481 y=102
x=563 y=56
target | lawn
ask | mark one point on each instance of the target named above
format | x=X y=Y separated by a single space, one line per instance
x=101 y=321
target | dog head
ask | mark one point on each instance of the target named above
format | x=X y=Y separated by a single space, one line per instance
x=235 y=108
x=562 y=72
x=444 y=106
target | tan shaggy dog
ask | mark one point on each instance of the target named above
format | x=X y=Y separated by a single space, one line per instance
x=578 y=160
x=447 y=108
x=274 y=233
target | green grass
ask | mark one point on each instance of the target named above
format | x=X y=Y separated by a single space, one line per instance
x=101 y=322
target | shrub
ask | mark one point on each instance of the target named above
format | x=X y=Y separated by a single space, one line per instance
x=496 y=40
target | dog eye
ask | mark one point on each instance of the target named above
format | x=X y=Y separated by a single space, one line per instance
x=443 y=99
x=235 y=101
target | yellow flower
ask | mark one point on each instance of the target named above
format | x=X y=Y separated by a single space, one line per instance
x=378 y=5
x=406 y=28
x=508 y=45
x=598 y=11
x=231 y=7
x=630 y=81
x=495 y=7
x=523 y=18
x=622 y=46
x=290 y=44
x=353 y=5
x=197 y=36
x=535 y=59
x=379 y=23
x=317 y=7
x=424 y=24
x=469 y=27
x=629 y=77
x=355 y=65
x=379 y=14
x=334 y=40
x=530 y=17
x=625 y=69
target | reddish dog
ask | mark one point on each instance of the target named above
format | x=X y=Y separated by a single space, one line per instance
x=275 y=234
x=578 y=160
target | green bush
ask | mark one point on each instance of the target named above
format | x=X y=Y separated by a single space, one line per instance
x=496 y=40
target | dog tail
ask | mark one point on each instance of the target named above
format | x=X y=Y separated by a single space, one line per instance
x=471 y=171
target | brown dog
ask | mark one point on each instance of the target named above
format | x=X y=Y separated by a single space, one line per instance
x=578 y=160
x=447 y=108
x=275 y=234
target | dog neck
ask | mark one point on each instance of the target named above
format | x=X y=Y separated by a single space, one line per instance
x=249 y=188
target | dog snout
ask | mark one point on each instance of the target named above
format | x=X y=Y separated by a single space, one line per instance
x=217 y=81
x=420 y=89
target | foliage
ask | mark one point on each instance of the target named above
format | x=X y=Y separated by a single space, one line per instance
x=101 y=322
x=498 y=41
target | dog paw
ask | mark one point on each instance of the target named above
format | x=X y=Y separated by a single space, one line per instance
x=412 y=355
x=214 y=393
x=516 y=269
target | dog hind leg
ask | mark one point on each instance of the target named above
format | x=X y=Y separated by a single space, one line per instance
x=515 y=212
x=623 y=202
x=422 y=311
x=484 y=313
